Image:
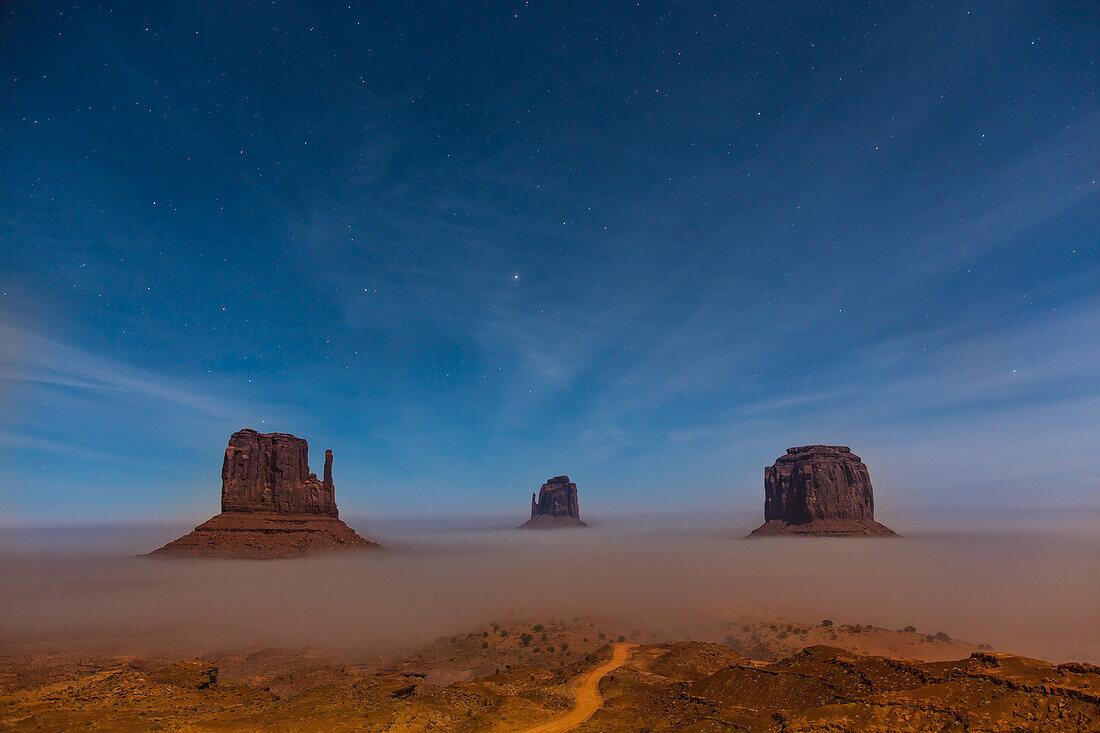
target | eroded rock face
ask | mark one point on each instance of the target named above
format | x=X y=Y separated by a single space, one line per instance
x=272 y=506
x=819 y=490
x=556 y=506
x=269 y=472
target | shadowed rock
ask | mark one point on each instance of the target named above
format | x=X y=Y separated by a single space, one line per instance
x=272 y=506
x=820 y=490
x=269 y=472
x=556 y=506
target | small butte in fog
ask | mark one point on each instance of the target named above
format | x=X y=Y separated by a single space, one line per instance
x=272 y=506
x=822 y=491
x=556 y=506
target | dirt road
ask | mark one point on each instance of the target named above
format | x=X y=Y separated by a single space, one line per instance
x=586 y=694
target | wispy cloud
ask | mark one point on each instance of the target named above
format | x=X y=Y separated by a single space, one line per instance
x=31 y=358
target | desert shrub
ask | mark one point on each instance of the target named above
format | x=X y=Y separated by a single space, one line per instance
x=550 y=649
x=940 y=636
x=539 y=627
x=484 y=645
x=496 y=627
x=621 y=638
x=603 y=635
x=909 y=629
x=827 y=622
x=525 y=639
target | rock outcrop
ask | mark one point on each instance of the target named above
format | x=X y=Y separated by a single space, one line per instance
x=272 y=506
x=556 y=506
x=269 y=472
x=819 y=490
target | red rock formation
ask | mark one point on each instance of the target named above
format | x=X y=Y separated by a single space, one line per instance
x=557 y=506
x=819 y=490
x=269 y=472
x=272 y=506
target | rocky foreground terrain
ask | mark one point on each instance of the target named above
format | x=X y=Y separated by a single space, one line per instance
x=773 y=676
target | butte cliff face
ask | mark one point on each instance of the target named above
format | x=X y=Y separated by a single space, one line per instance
x=821 y=490
x=272 y=506
x=269 y=472
x=556 y=506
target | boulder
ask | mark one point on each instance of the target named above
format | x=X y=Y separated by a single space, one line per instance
x=272 y=506
x=820 y=490
x=555 y=506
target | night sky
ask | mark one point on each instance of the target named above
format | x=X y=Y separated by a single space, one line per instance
x=468 y=247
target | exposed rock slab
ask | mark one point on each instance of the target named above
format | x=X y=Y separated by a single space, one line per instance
x=824 y=528
x=556 y=506
x=819 y=490
x=265 y=536
x=272 y=506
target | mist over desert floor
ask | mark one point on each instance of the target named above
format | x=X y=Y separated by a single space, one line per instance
x=1023 y=584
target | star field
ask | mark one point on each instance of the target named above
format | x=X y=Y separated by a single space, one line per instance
x=650 y=245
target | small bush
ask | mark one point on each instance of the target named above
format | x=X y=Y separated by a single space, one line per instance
x=484 y=645
x=621 y=638
x=539 y=627
x=909 y=629
x=525 y=640
x=827 y=622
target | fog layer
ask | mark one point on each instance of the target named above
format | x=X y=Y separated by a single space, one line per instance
x=1023 y=590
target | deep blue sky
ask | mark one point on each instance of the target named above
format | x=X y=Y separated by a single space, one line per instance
x=468 y=247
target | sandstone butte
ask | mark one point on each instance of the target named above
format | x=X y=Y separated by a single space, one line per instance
x=272 y=506
x=556 y=506
x=819 y=490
